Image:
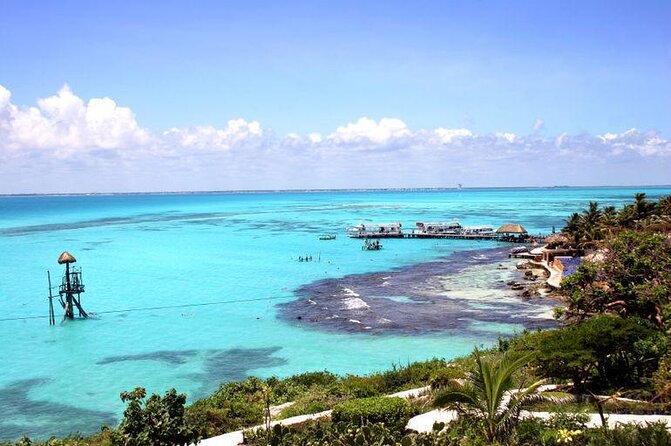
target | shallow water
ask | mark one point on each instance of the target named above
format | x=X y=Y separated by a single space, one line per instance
x=233 y=259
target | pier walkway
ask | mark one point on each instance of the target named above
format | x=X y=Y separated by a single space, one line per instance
x=495 y=237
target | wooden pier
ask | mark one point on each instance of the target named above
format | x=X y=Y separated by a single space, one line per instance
x=455 y=236
x=509 y=233
x=495 y=237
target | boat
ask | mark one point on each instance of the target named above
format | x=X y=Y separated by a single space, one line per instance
x=327 y=237
x=437 y=229
x=375 y=230
x=478 y=231
x=371 y=246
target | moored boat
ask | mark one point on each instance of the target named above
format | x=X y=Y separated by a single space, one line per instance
x=479 y=231
x=375 y=230
x=371 y=246
x=433 y=230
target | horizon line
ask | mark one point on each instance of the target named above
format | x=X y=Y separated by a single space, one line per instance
x=322 y=190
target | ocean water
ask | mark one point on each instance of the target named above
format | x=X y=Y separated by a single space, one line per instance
x=192 y=289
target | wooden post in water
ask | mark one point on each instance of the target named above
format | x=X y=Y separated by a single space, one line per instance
x=52 y=318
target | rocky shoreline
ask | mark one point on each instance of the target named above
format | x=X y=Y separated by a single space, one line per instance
x=533 y=282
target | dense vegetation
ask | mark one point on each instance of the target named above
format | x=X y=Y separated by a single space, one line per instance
x=630 y=271
x=614 y=342
x=393 y=412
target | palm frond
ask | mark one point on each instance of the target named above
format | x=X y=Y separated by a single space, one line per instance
x=451 y=396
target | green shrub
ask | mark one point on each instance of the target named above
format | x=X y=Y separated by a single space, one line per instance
x=411 y=375
x=661 y=379
x=156 y=421
x=532 y=432
x=636 y=407
x=104 y=438
x=393 y=412
x=363 y=386
x=331 y=434
x=442 y=377
x=653 y=434
x=232 y=406
x=226 y=415
x=316 y=400
x=291 y=388
x=604 y=351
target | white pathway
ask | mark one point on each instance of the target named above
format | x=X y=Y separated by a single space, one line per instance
x=555 y=275
x=425 y=421
x=236 y=438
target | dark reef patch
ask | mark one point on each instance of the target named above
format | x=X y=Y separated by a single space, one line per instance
x=280 y=227
x=39 y=419
x=219 y=365
x=167 y=356
x=20 y=415
x=203 y=218
x=115 y=221
x=412 y=299
x=233 y=365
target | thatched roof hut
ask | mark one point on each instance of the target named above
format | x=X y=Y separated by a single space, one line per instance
x=66 y=257
x=557 y=240
x=511 y=229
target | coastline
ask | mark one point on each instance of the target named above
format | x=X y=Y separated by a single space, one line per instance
x=380 y=189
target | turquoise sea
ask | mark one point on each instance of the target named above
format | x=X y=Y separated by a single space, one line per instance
x=192 y=289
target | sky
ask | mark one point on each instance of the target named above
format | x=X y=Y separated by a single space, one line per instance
x=214 y=95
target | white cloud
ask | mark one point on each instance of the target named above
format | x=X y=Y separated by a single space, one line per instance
x=315 y=138
x=5 y=96
x=66 y=124
x=448 y=135
x=510 y=137
x=64 y=132
x=367 y=130
x=539 y=125
x=212 y=138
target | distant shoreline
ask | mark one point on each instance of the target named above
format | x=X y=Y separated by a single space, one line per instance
x=269 y=191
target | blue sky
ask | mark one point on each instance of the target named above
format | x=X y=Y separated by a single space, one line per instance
x=531 y=69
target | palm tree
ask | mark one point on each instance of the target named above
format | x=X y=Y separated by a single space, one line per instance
x=643 y=207
x=590 y=222
x=574 y=228
x=608 y=220
x=591 y=215
x=627 y=216
x=664 y=205
x=490 y=395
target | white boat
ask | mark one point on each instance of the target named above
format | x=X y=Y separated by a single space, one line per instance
x=478 y=230
x=436 y=229
x=375 y=230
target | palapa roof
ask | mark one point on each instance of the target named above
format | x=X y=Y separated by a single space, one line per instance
x=556 y=240
x=66 y=257
x=511 y=229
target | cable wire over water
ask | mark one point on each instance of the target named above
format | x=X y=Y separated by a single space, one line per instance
x=162 y=307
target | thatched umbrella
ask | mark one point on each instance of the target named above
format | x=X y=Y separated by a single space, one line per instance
x=66 y=257
x=510 y=228
x=556 y=240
